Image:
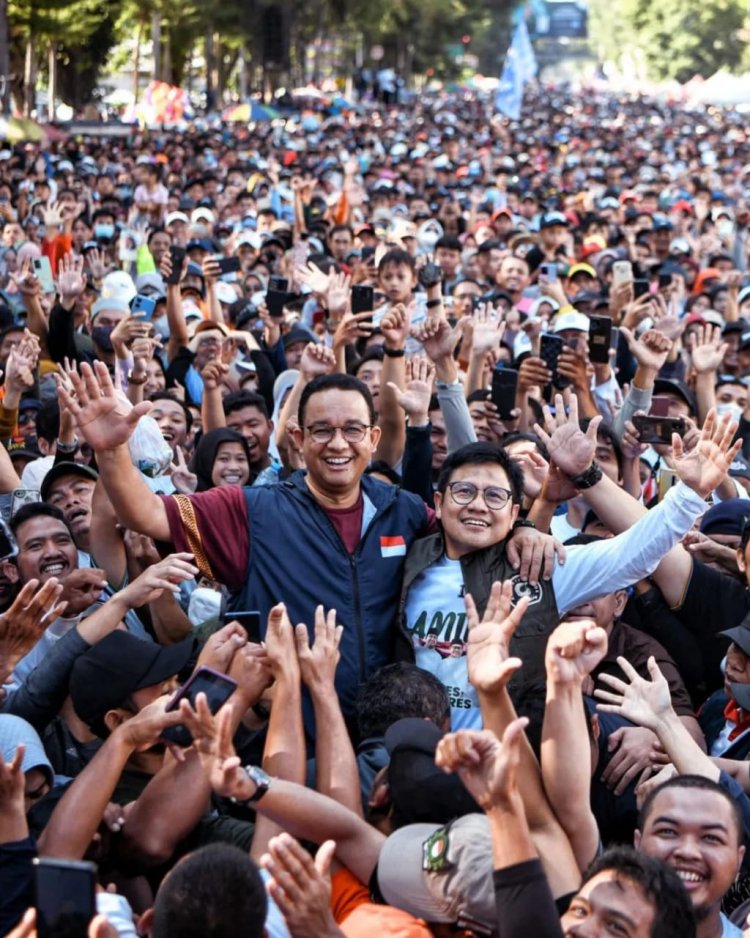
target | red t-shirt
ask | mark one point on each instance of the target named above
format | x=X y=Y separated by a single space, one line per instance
x=221 y=515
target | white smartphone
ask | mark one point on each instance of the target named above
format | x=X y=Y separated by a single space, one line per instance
x=622 y=272
x=43 y=273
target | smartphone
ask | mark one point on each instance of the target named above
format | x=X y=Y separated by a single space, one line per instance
x=614 y=339
x=143 y=304
x=622 y=272
x=659 y=429
x=550 y=347
x=217 y=687
x=665 y=281
x=640 y=288
x=659 y=406
x=367 y=254
x=363 y=299
x=177 y=254
x=503 y=395
x=430 y=275
x=65 y=897
x=43 y=273
x=279 y=284
x=667 y=478
x=547 y=273
x=250 y=622
x=8 y=546
x=600 y=339
x=21 y=497
x=276 y=300
x=229 y=265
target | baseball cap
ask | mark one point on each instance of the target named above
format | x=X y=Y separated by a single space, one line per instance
x=728 y=517
x=743 y=295
x=671 y=386
x=592 y=245
x=118 y=285
x=419 y=791
x=151 y=285
x=740 y=468
x=571 y=320
x=202 y=214
x=297 y=334
x=225 y=293
x=581 y=269
x=456 y=886
x=680 y=246
x=116 y=304
x=553 y=218
x=62 y=469
x=251 y=238
x=111 y=670
x=172 y=217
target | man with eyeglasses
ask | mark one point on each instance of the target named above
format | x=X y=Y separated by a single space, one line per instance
x=477 y=501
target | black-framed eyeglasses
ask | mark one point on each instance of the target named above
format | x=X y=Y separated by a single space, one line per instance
x=464 y=493
x=351 y=432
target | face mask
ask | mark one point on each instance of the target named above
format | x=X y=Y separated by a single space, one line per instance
x=200 y=231
x=161 y=326
x=733 y=409
x=204 y=605
x=101 y=335
x=104 y=232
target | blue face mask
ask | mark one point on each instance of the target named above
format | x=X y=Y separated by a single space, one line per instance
x=104 y=232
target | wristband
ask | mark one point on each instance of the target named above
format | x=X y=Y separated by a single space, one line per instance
x=569 y=308
x=433 y=304
x=589 y=478
x=141 y=380
x=393 y=352
x=523 y=523
x=67 y=447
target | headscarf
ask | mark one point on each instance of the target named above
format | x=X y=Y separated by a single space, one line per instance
x=206 y=450
x=283 y=383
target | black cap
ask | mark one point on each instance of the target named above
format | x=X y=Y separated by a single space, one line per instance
x=740 y=635
x=62 y=469
x=109 y=672
x=419 y=791
x=669 y=386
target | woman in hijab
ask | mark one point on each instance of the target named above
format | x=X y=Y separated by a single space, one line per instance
x=221 y=458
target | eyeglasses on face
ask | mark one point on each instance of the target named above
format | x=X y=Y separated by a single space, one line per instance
x=351 y=432
x=464 y=493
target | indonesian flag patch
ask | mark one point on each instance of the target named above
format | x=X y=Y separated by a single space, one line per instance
x=392 y=546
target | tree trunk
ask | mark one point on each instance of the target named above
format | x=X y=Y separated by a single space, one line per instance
x=208 y=55
x=4 y=59
x=52 y=83
x=137 y=59
x=156 y=44
x=29 y=77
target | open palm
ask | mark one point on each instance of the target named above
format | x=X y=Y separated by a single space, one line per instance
x=569 y=447
x=705 y=467
x=643 y=702
x=488 y=645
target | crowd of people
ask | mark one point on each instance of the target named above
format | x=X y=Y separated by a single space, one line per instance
x=375 y=537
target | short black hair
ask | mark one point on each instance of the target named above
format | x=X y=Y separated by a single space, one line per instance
x=397 y=258
x=239 y=399
x=450 y=242
x=382 y=468
x=673 y=910
x=48 y=421
x=397 y=691
x=334 y=382
x=481 y=394
x=35 y=510
x=477 y=454
x=188 y=904
x=372 y=354
x=696 y=783
x=170 y=396
x=518 y=436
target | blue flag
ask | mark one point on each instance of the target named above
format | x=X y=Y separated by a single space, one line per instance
x=520 y=66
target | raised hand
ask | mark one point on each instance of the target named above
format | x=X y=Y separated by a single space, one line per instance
x=318 y=663
x=706 y=349
x=12 y=783
x=488 y=658
x=95 y=261
x=130 y=327
x=647 y=703
x=280 y=645
x=706 y=466
x=487 y=767
x=212 y=740
x=81 y=588
x=166 y=575
x=395 y=326
x=352 y=326
x=317 y=359
x=437 y=337
x=415 y=398
x=70 y=280
x=337 y=297
x=488 y=330
x=574 y=649
x=569 y=447
x=532 y=373
x=24 y=623
x=314 y=278
x=104 y=418
x=183 y=479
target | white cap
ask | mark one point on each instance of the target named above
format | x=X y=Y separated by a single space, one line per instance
x=571 y=320
x=251 y=238
x=118 y=285
x=225 y=292
x=202 y=214
x=176 y=216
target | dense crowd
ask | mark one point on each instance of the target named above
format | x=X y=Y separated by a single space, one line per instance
x=375 y=501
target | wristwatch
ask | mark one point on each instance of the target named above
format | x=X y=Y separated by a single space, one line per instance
x=589 y=478
x=262 y=782
x=68 y=447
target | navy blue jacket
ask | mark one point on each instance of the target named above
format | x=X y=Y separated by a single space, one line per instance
x=296 y=556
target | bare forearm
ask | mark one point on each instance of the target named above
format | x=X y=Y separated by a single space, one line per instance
x=75 y=819
x=542 y=513
x=212 y=410
x=683 y=751
x=9 y=479
x=284 y=752
x=705 y=394
x=390 y=416
x=170 y=623
x=13 y=826
x=290 y=408
x=511 y=838
x=475 y=376
x=336 y=773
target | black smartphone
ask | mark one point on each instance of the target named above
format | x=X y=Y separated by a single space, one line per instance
x=600 y=337
x=177 y=255
x=8 y=546
x=550 y=347
x=250 y=622
x=659 y=429
x=65 y=897
x=640 y=287
x=363 y=298
x=217 y=687
x=367 y=254
x=229 y=265
x=503 y=396
x=279 y=284
x=276 y=300
x=665 y=281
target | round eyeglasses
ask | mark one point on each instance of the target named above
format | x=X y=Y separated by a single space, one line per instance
x=352 y=432
x=464 y=493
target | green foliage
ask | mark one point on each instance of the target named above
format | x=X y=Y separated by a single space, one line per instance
x=676 y=39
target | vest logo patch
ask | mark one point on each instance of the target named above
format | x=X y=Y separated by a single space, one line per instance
x=523 y=589
x=392 y=546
